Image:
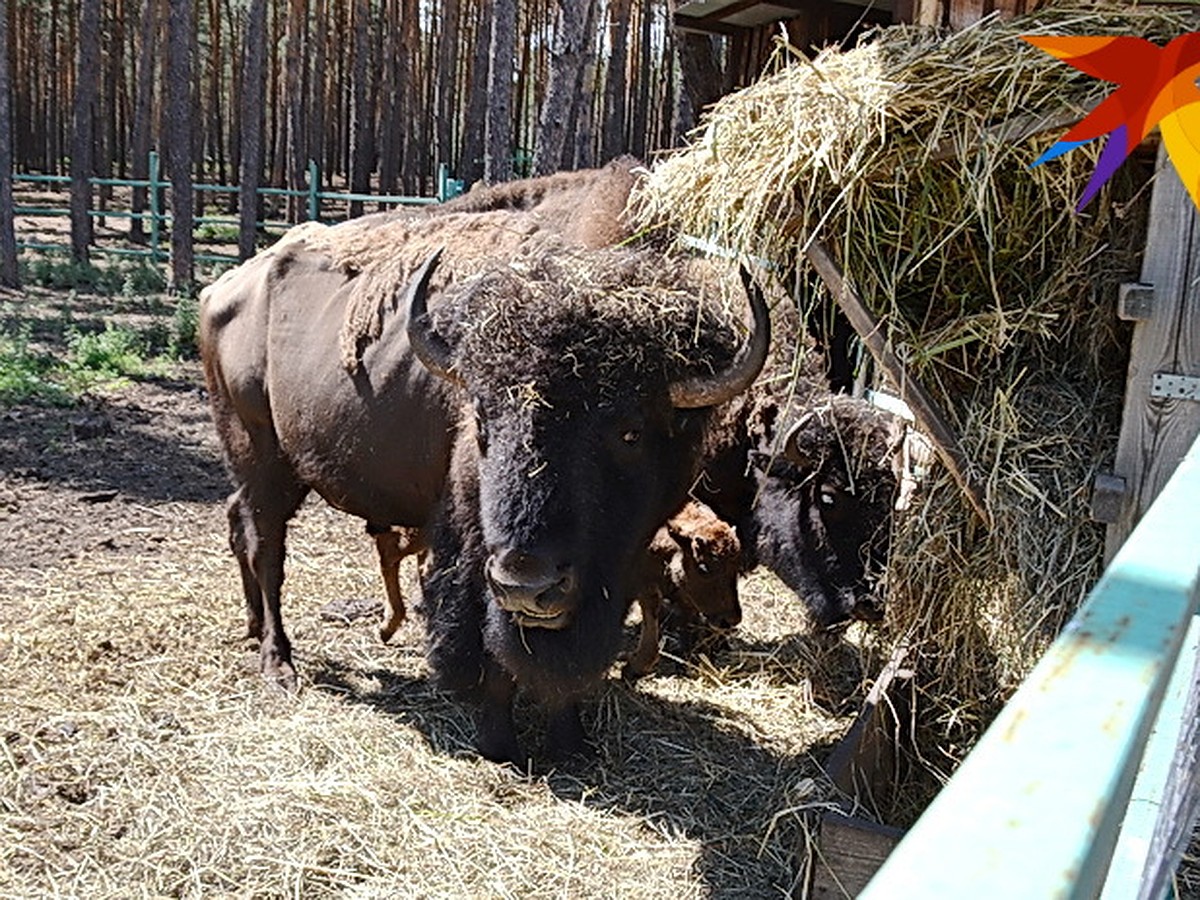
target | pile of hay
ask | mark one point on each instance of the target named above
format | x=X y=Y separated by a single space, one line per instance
x=909 y=156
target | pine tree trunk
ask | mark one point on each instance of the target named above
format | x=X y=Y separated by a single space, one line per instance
x=360 y=123
x=391 y=126
x=408 y=95
x=297 y=140
x=87 y=68
x=446 y=83
x=567 y=52
x=180 y=116
x=641 y=110
x=475 y=121
x=316 y=130
x=497 y=159
x=254 y=76
x=9 y=276
x=615 y=88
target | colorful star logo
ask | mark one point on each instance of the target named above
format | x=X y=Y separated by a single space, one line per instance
x=1157 y=86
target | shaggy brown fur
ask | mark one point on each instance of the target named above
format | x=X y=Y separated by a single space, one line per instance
x=693 y=564
x=507 y=223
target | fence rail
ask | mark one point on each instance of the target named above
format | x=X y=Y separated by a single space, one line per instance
x=1046 y=805
x=156 y=217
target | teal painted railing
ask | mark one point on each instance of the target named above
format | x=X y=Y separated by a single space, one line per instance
x=157 y=218
x=1086 y=783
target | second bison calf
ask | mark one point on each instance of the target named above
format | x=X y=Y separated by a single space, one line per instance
x=692 y=564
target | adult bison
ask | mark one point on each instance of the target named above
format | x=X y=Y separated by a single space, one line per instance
x=810 y=481
x=540 y=422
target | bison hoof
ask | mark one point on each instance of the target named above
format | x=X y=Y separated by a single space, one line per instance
x=279 y=672
x=389 y=628
x=632 y=672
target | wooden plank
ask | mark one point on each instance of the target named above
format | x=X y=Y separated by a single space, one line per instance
x=1034 y=810
x=1156 y=431
x=928 y=414
x=964 y=13
x=1016 y=129
x=1166 y=795
x=850 y=851
x=863 y=764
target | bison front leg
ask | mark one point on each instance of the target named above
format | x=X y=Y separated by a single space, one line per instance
x=565 y=735
x=497 y=736
x=257 y=531
x=645 y=657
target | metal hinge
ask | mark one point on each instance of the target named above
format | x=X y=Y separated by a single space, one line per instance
x=1177 y=387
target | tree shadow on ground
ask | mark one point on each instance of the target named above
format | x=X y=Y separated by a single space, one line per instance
x=152 y=441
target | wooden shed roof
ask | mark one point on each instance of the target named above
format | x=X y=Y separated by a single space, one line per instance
x=732 y=16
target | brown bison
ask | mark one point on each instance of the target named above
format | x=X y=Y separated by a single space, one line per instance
x=536 y=426
x=692 y=564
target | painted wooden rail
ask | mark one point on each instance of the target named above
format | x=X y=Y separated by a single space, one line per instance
x=157 y=217
x=1046 y=804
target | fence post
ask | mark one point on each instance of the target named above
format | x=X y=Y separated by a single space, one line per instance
x=155 y=210
x=314 y=191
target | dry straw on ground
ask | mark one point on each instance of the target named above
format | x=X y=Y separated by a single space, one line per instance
x=142 y=754
x=908 y=155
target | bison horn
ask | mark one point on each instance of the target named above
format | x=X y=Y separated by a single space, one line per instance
x=692 y=393
x=791 y=447
x=431 y=348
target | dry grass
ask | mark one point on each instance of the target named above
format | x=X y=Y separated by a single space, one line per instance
x=142 y=753
x=900 y=155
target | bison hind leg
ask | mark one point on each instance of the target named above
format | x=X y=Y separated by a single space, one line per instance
x=392 y=545
x=257 y=529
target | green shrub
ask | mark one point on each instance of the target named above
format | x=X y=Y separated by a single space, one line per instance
x=23 y=374
x=185 y=323
x=100 y=357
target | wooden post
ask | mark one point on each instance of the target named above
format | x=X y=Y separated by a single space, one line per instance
x=928 y=414
x=1158 y=426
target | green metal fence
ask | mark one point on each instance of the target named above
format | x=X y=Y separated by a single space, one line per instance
x=1087 y=783
x=155 y=218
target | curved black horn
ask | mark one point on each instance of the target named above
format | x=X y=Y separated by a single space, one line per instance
x=709 y=390
x=431 y=348
x=791 y=449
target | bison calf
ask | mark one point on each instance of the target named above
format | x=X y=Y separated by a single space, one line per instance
x=692 y=564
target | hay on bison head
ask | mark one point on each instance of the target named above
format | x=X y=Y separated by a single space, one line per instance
x=606 y=317
x=909 y=156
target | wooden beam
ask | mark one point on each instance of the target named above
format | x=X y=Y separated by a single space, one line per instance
x=926 y=410
x=691 y=23
x=851 y=850
x=863 y=764
x=1157 y=430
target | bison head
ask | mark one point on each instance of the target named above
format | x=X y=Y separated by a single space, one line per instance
x=587 y=380
x=824 y=506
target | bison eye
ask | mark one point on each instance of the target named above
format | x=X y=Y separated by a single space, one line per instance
x=827 y=498
x=702 y=568
x=631 y=436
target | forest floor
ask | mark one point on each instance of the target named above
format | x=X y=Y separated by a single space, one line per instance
x=142 y=753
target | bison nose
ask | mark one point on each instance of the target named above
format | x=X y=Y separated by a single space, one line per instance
x=531 y=585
